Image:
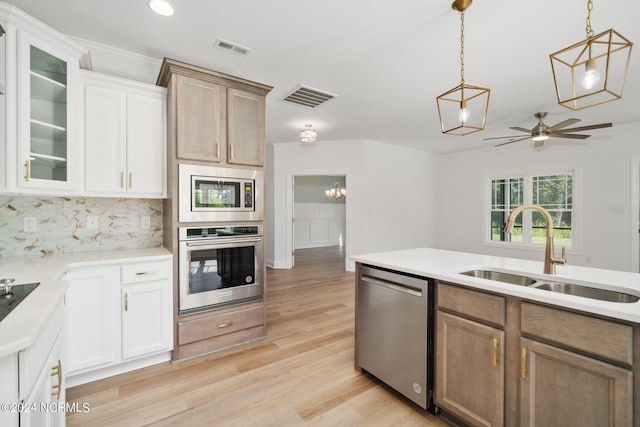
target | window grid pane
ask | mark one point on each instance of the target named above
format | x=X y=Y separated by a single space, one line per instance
x=552 y=192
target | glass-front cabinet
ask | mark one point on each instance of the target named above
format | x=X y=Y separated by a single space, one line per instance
x=39 y=145
x=47 y=133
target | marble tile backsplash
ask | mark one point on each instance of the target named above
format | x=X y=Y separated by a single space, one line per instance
x=61 y=224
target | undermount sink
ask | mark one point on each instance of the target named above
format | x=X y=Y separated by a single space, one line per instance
x=584 y=291
x=559 y=287
x=498 y=276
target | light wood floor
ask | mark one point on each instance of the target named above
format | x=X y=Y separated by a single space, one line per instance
x=302 y=374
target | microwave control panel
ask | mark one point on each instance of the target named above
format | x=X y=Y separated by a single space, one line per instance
x=248 y=194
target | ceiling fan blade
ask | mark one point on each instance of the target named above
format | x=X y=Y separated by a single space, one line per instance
x=589 y=127
x=502 y=137
x=510 y=142
x=568 y=135
x=520 y=129
x=563 y=124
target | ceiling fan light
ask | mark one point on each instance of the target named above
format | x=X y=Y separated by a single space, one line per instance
x=540 y=137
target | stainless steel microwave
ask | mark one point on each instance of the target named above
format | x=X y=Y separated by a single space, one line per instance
x=212 y=194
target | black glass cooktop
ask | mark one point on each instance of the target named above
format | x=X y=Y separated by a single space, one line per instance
x=10 y=300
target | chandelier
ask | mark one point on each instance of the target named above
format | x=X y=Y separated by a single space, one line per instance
x=463 y=109
x=593 y=71
x=336 y=192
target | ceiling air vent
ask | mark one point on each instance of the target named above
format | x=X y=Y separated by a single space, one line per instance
x=308 y=97
x=232 y=47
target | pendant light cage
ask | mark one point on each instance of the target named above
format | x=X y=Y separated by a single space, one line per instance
x=592 y=71
x=463 y=109
x=474 y=99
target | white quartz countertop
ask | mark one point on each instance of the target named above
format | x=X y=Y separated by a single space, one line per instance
x=447 y=266
x=25 y=322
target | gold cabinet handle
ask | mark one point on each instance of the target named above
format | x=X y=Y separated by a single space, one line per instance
x=121 y=179
x=144 y=273
x=56 y=389
x=523 y=363
x=130 y=180
x=217 y=150
x=231 y=151
x=27 y=170
x=225 y=324
x=495 y=352
x=126 y=301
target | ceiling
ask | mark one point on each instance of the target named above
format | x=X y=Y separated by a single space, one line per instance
x=386 y=60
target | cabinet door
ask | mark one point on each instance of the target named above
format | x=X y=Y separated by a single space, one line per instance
x=245 y=128
x=146 y=319
x=145 y=145
x=470 y=370
x=200 y=119
x=92 y=320
x=47 y=137
x=561 y=388
x=48 y=392
x=105 y=138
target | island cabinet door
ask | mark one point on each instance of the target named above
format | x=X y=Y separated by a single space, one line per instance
x=561 y=388
x=470 y=370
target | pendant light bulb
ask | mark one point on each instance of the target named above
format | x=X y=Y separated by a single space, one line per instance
x=591 y=75
x=464 y=114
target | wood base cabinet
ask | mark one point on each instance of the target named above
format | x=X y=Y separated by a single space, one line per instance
x=470 y=367
x=561 y=388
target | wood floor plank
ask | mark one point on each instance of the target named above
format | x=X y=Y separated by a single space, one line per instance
x=301 y=375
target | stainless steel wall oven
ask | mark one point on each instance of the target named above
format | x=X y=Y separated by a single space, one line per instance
x=219 y=265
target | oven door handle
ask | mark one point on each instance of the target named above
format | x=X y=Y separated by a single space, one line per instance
x=225 y=242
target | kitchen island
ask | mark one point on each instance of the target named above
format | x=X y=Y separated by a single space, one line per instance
x=508 y=354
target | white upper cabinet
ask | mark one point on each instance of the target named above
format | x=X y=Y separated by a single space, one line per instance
x=124 y=135
x=41 y=106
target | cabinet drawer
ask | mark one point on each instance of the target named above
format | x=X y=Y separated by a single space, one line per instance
x=219 y=324
x=603 y=338
x=474 y=304
x=144 y=272
x=32 y=360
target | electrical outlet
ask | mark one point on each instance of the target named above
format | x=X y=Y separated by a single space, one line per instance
x=29 y=224
x=145 y=222
x=92 y=222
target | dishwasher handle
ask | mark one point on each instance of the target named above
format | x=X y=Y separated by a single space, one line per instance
x=392 y=285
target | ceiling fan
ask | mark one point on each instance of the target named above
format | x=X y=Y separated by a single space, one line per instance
x=541 y=132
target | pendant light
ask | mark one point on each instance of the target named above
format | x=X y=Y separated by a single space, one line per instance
x=593 y=71
x=463 y=109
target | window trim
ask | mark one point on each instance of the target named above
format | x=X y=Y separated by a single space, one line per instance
x=576 y=229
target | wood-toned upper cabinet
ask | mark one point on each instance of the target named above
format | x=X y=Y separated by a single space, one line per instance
x=214 y=117
x=200 y=110
x=245 y=128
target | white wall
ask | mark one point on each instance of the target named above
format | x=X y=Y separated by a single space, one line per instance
x=604 y=210
x=318 y=225
x=389 y=194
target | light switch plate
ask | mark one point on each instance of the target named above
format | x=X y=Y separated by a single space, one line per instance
x=92 y=222
x=145 y=222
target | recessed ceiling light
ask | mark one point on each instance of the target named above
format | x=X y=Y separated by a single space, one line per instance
x=161 y=7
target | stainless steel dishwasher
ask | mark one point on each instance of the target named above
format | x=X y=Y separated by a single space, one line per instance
x=394 y=331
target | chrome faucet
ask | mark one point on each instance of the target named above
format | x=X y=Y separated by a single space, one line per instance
x=549 y=260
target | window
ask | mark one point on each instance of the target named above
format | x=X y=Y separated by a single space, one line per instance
x=552 y=192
